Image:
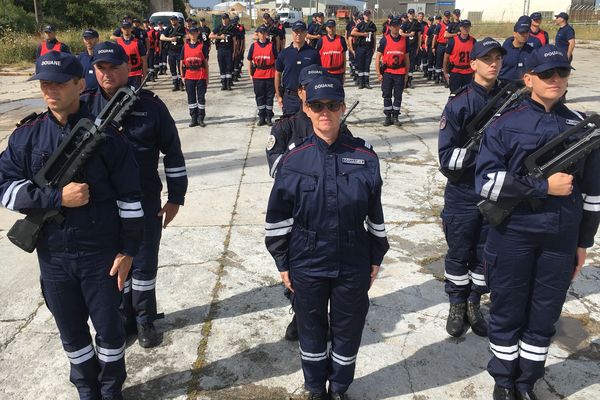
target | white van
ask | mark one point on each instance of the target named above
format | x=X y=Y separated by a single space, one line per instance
x=288 y=17
x=165 y=16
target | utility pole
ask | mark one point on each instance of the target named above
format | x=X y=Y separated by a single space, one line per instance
x=526 y=7
x=37 y=21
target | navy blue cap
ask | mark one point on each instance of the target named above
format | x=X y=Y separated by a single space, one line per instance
x=299 y=26
x=562 y=15
x=126 y=24
x=314 y=14
x=411 y=11
x=193 y=29
x=430 y=19
x=456 y=12
x=545 y=58
x=465 y=23
x=438 y=17
x=523 y=25
x=390 y=16
x=109 y=52
x=320 y=14
x=49 y=28
x=330 y=22
x=482 y=47
x=367 y=12
x=90 y=33
x=325 y=88
x=447 y=13
x=395 y=22
x=225 y=16
x=262 y=28
x=58 y=67
x=404 y=15
x=310 y=73
x=135 y=20
x=536 y=15
x=174 y=17
x=266 y=16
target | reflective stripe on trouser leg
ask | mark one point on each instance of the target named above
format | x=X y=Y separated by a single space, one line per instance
x=462 y=234
x=145 y=263
x=310 y=305
x=348 y=309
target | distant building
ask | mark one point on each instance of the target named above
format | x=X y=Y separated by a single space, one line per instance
x=161 y=5
x=510 y=10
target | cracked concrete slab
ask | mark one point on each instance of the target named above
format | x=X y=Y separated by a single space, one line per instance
x=225 y=313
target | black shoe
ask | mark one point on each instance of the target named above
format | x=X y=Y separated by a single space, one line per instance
x=388 y=120
x=261 y=122
x=201 y=122
x=269 y=121
x=396 y=120
x=455 y=325
x=476 y=320
x=317 y=396
x=361 y=86
x=175 y=88
x=182 y=87
x=148 y=336
x=525 y=395
x=409 y=84
x=291 y=332
x=193 y=122
x=337 y=396
x=501 y=393
x=366 y=85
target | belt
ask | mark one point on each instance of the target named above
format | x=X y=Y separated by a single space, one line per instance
x=461 y=67
x=293 y=92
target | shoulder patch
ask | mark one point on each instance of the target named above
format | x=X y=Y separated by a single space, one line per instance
x=443 y=122
x=271 y=140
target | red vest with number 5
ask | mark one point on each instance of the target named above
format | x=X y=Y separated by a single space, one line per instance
x=264 y=60
x=461 y=55
x=133 y=52
x=57 y=46
x=393 y=55
x=332 y=55
x=193 y=59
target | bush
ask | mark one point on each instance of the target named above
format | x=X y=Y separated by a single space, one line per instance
x=13 y=17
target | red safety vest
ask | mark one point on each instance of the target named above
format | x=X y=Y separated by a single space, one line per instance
x=540 y=35
x=151 y=37
x=440 y=37
x=264 y=61
x=461 y=55
x=133 y=53
x=332 y=54
x=193 y=59
x=393 y=55
x=424 y=37
x=45 y=49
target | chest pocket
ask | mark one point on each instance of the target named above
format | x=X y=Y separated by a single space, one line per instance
x=38 y=159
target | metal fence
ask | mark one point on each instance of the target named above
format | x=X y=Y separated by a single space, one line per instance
x=584 y=14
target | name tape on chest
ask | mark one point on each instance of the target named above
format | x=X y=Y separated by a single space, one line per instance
x=571 y=122
x=139 y=113
x=353 y=161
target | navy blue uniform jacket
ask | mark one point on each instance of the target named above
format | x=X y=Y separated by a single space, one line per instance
x=322 y=200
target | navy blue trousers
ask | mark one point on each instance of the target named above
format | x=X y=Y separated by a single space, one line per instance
x=291 y=103
x=139 y=294
x=362 y=62
x=439 y=57
x=392 y=85
x=76 y=286
x=348 y=300
x=528 y=275
x=175 y=67
x=196 y=95
x=264 y=91
x=225 y=60
x=466 y=234
x=459 y=80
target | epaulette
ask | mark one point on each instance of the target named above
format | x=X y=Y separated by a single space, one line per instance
x=31 y=117
x=457 y=92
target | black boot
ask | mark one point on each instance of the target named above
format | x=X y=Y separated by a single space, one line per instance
x=317 y=396
x=194 y=121
x=388 y=120
x=175 y=86
x=229 y=83
x=366 y=85
x=291 y=332
x=410 y=83
x=476 y=320
x=201 y=121
x=148 y=336
x=396 y=120
x=525 y=395
x=337 y=396
x=269 y=120
x=261 y=121
x=223 y=84
x=501 y=393
x=181 y=85
x=455 y=325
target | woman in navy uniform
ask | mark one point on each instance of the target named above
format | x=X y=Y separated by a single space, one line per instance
x=532 y=256
x=326 y=190
x=100 y=231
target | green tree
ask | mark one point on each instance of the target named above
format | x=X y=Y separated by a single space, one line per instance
x=14 y=17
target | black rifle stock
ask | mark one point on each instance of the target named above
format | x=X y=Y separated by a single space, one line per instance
x=67 y=161
x=352 y=107
x=556 y=156
x=475 y=130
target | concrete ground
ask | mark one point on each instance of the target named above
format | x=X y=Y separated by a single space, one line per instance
x=220 y=291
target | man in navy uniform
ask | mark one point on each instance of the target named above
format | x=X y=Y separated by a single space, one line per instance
x=50 y=43
x=86 y=57
x=533 y=255
x=85 y=255
x=289 y=63
x=151 y=130
x=518 y=48
x=464 y=227
x=565 y=36
x=225 y=39
x=364 y=34
x=457 y=64
x=536 y=31
x=173 y=36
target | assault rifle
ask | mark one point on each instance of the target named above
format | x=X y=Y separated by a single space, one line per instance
x=556 y=156
x=476 y=128
x=66 y=162
x=352 y=107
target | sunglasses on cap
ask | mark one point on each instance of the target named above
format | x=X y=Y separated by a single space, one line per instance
x=317 y=107
x=562 y=72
